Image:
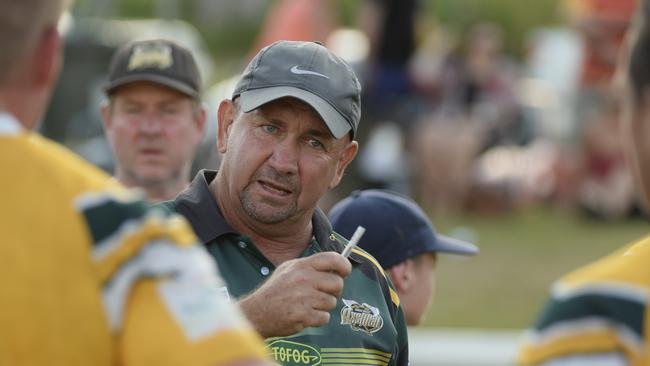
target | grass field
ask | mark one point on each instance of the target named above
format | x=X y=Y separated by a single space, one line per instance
x=521 y=255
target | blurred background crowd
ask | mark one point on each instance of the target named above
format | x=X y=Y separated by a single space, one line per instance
x=499 y=117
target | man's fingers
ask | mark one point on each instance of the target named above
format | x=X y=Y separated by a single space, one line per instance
x=331 y=262
x=324 y=302
x=328 y=282
x=317 y=318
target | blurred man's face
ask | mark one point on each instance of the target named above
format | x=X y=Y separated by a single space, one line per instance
x=154 y=132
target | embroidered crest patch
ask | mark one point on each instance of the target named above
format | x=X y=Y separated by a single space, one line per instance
x=361 y=317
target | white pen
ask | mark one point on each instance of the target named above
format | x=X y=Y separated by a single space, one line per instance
x=353 y=241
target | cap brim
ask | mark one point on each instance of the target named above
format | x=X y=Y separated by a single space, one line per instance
x=446 y=244
x=157 y=79
x=253 y=99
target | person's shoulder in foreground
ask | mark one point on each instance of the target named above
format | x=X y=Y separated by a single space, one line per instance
x=79 y=236
x=599 y=312
x=90 y=275
x=401 y=237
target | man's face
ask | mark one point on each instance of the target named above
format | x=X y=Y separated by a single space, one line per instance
x=280 y=159
x=154 y=132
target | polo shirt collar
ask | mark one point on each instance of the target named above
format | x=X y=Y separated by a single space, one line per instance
x=200 y=208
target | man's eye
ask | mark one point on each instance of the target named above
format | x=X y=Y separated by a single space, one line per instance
x=132 y=110
x=315 y=143
x=269 y=128
x=169 y=110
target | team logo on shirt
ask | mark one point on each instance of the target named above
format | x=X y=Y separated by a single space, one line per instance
x=361 y=317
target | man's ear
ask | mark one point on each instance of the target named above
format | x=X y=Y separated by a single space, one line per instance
x=201 y=119
x=226 y=116
x=402 y=275
x=348 y=154
x=47 y=60
x=106 y=115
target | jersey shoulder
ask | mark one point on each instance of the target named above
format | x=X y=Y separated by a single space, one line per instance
x=599 y=308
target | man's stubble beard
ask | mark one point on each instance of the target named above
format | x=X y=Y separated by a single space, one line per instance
x=255 y=210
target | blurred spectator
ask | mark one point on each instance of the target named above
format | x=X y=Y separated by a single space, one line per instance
x=401 y=237
x=591 y=171
x=390 y=103
x=478 y=84
x=606 y=189
x=295 y=20
x=474 y=108
x=443 y=152
x=388 y=88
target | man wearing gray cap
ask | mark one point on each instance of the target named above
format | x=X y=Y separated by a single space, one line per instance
x=402 y=239
x=154 y=119
x=286 y=137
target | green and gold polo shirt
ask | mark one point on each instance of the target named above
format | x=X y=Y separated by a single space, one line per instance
x=367 y=327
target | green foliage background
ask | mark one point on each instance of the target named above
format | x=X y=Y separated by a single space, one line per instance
x=232 y=39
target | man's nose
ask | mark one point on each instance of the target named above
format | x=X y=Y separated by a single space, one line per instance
x=285 y=156
x=151 y=123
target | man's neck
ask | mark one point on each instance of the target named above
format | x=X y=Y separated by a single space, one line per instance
x=278 y=242
x=16 y=103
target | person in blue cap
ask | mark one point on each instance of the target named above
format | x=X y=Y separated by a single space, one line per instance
x=402 y=239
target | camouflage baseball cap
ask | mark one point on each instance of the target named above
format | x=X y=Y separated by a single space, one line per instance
x=307 y=71
x=159 y=61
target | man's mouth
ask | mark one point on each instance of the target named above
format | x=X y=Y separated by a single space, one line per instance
x=150 y=152
x=275 y=188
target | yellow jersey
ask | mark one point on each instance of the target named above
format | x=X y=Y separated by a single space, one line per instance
x=89 y=275
x=597 y=315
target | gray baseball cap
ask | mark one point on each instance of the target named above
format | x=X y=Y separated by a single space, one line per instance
x=307 y=71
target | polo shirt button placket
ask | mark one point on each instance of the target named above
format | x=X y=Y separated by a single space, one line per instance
x=242 y=244
x=265 y=271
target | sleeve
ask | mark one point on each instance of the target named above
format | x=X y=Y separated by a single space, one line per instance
x=402 y=339
x=401 y=349
x=587 y=325
x=606 y=359
x=161 y=292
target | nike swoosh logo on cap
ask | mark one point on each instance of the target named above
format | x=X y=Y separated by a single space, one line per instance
x=296 y=70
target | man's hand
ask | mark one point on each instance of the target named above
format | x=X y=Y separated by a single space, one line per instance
x=300 y=293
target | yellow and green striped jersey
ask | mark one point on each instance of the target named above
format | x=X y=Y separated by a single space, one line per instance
x=598 y=313
x=89 y=275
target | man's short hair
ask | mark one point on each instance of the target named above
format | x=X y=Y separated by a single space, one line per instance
x=21 y=22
